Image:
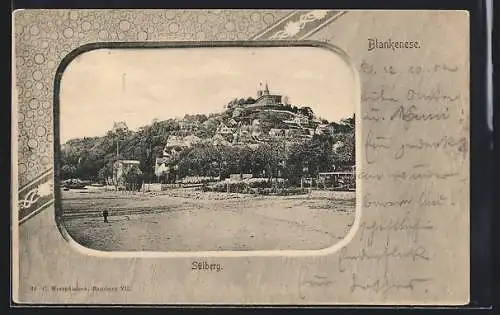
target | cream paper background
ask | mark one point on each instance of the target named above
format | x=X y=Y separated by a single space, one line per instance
x=416 y=253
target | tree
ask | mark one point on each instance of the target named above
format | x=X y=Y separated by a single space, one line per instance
x=232 y=103
x=345 y=154
x=315 y=156
x=89 y=166
x=133 y=177
x=67 y=171
x=250 y=100
x=266 y=159
x=105 y=172
x=92 y=157
x=349 y=123
x=307 y=111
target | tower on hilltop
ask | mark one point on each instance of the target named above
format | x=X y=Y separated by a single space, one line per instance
x=262 y=90
x=266 y=91
x=265 y=98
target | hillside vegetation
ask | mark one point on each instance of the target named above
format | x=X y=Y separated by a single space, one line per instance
x=304 y=146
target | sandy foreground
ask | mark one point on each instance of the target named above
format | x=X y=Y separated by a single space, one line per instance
x=188 y=220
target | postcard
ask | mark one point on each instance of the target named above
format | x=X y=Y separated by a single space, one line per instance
x=240 y=157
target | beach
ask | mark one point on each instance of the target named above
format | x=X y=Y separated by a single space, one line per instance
x=185 y=219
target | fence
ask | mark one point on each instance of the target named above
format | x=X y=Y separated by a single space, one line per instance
x=343 y=181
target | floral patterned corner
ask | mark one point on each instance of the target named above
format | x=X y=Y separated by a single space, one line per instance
x=300 y=25
x=36 y=196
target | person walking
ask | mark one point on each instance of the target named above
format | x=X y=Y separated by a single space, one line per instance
x=105 y=216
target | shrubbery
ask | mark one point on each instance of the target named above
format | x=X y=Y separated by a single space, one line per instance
x=257 y=186
x=196 y=180
x=257 y=182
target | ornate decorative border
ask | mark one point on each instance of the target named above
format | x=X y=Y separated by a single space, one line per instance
x=44 y=37
x=36 y=196
x=299 y=25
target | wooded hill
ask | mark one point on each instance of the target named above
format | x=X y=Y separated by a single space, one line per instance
x=92 y=158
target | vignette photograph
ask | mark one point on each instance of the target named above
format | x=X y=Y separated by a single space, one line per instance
x=207 y=149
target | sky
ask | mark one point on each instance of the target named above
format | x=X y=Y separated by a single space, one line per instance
x=102 y=86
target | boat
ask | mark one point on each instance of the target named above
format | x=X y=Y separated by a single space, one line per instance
x=73 y=184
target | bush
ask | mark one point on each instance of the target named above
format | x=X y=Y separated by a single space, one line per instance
x=196 y=180
x=244 y=188
x=258 y=183
x=234 y=187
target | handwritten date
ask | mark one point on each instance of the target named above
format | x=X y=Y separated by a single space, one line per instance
x=370 y=69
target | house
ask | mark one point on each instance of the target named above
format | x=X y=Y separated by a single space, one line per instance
x=172 y=152
x=297 y=120
x=175 y=141
x=232 y=123
x=183 y=142
x=161 y=166
x=237 y=112
x=322 y=129
x=243 y=137
x=223 y=129
x=276 y=132
x=291 y=133
x=265 y=98
x=245 y=130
